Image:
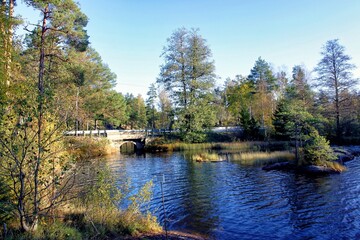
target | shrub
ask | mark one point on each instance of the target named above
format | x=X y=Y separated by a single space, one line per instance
x=317 y=149
x=84 y=148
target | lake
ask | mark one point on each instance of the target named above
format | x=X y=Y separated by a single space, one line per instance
x=226 y=200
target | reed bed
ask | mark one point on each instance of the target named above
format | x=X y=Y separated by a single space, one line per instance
x=334 y=166
x=263 y=158
x=206 y=157
x=240 y=146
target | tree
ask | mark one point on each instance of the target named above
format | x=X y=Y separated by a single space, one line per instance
x=166 y=118
x=115 y=112
x=188 y=75
x=137 y=111
x=150 y=106
x=335 y=77
x=299 y=88
x=29 y=138
x=264 y=82
x=239 y=94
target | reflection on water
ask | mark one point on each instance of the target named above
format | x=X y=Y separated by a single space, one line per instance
x=226 y=200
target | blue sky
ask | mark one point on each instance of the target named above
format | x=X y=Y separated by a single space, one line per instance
x=130 y=34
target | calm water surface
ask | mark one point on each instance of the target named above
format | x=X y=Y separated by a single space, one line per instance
x=226 y=200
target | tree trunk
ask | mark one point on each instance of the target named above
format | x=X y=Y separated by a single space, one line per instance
x=41 y=96
x=7 y=10
x=337 y=111
x=77 y=111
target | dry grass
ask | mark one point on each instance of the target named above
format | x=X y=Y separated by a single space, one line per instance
x=83 y=148
x=240 y=146
x=206 y=157
x=262 y=158
x=334 y=166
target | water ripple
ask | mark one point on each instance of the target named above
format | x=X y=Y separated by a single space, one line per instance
x=229 y=201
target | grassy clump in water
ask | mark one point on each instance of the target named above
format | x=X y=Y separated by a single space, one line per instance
x=335 y=166
x=263 y=158
x=206 y=157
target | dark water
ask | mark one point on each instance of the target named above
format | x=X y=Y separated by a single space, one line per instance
x=226 y=200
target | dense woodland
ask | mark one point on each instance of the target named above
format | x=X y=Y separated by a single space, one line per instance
x=52 y=80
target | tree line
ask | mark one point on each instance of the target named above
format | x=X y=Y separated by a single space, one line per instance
x=51 y=81
x=266 y=103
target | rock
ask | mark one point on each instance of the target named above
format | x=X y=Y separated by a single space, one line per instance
x=278 y=166
x=344 y=154
x=313 y=169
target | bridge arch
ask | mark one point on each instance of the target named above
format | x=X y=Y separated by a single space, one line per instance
x=136 y=144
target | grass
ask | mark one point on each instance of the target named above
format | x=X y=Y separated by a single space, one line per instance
x=94 y=213
x=263 y=158
x=206 y=157
x=337 y=167
x=85 y=148
x=240 y=146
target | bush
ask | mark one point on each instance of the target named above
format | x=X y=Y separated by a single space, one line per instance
x=84 y=148
x=53 y=231
x=194 y=137
x=317 y=149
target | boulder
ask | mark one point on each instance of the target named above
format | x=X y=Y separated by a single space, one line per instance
x=343 y=155
x=278 y=166
x=313 y=169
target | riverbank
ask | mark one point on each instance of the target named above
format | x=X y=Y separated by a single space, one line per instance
x=343 y=154
x=171 y=235
x=158 y=145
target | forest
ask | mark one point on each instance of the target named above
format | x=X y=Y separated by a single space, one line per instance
x=52 y=80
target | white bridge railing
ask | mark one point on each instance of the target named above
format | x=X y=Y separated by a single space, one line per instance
x=145 y=132
x=105 y=133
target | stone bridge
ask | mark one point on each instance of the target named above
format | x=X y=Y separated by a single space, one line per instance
x=138 y=137
x=118 y=137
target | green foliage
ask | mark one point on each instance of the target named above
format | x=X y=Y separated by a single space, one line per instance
x=194 y=137
x=280 y=120
x=51 y=231
x=98 y=212
x=251 y=128
x=239 y=95
x=136 y=111
x=55 y=231
x=101 y=202
x=151 y=113
x=317 y=149
x=261 y=73
x=188 y=75
x=264 y=84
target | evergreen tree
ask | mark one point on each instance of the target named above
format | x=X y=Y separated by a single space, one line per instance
x=150 y=106
x=188 y=75
x=264 y=83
